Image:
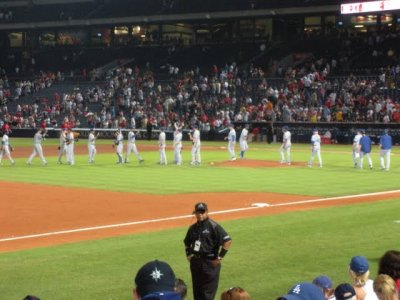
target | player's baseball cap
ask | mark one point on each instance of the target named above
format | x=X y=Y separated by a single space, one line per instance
x=304 y=291
x=362 y=131
x=323 y=281
x=359 y=264
x=155 y=276
x=344 y=291
x=200 y=207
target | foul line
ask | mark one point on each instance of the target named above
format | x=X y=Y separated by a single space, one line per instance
x=39 y=235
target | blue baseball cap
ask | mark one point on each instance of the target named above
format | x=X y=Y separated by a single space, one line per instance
x=359 y=264
x=323 y=281
x=304 y=291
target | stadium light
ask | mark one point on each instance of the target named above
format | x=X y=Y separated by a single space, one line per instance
x=371 y=6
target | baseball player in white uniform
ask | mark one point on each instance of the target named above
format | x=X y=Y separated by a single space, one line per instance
x=161 y=147
x=132 y=147
x=195 y=138
x=119 y=145
x=92 y=146
x=5 y=148
x=286 y=146
x=356 y=149
x=37 y=147
x=244 y=146
x=70 y=144
x=177 y=145
x=62 y=148
x=316 y=148
x=231 y=141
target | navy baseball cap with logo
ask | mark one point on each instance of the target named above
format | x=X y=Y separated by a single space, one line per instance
x=304 y=291
x=155 y=276
x=200 y=207
x=323 y=281
x=359 y=264
x=344 y=291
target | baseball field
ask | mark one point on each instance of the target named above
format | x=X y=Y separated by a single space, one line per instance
x=82 y=231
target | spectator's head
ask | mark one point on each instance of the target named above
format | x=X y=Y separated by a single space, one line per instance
x=385 y=287
x=31 y=297
x=181 y=288
x=345 y=291
x=235 y=293
x=389 y=264
x=325 y=283
x=154 y=276
x=303 y=291
x=359 y=270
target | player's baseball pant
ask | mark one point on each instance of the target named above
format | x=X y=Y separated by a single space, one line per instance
x=70 y=154
x=384 y=155
x=196 y=154
x=119 y=150
x=6 y=152
x=231 y=149
x=163 y=156
x=356 y=157
x=63 y=149
x=177 y=154
x=315 y=152
x=92 y=153
x=132 y=148
x=37 y=150
x=244 y=146
x=368 y=156
x=284 y=149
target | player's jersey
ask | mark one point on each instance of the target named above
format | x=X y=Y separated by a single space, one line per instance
x=356 y=141
x=365 y=144
x=232 y=136
x=37 y=138
x=62 y=138
x=91 y=139
x=287 y=138
x=131 y=137
x=316 y=141
x=178 y=138
x=5 y=141
x=161 y=139
x=70 y=137
x=243 y=135
x=119 y=139
x=196 y=137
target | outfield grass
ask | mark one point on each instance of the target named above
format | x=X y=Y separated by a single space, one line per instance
x=269 y=254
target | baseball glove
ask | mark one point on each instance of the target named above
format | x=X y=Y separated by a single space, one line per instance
x=11 y=148
x=58 y=148
x=113 y=145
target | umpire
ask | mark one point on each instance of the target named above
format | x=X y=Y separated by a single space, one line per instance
x=206 y=243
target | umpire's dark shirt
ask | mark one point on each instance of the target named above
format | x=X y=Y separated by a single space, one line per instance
x=211 y=235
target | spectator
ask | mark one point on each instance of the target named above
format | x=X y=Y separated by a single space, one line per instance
x=303 y=291
x=235 y=293
x=345 y=291
x=325 y=283
x=155 y=280
x=389 y=264
x=359 y=274
x=181 y=288
x=385 y=288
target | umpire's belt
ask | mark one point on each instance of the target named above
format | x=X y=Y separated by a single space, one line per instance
x=204 y=256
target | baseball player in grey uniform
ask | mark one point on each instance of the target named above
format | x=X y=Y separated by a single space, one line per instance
x=195 y=138
x=37 y=147
x=244 y=146
x=6 y=148
x=286 y=146
x=62 y=148
x=161 y=147
x=356 y=149
x=315 y=148
x=231 y=141
x=92 y=146
x=70 y=144
x=119 y=145
x=177 y=145
x=131 y=147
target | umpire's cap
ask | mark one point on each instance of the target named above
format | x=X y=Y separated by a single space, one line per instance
x=200 y=207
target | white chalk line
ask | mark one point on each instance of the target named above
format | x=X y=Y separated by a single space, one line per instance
x=39 y=235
